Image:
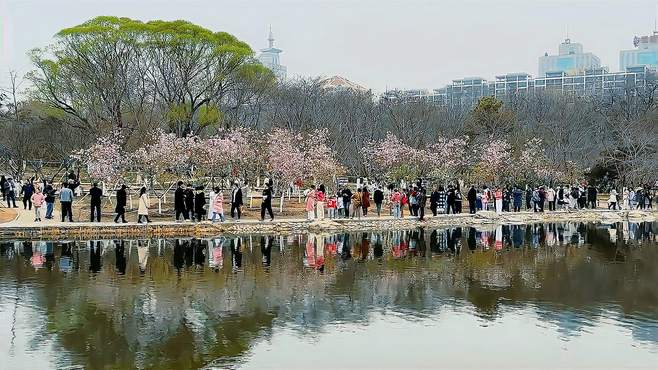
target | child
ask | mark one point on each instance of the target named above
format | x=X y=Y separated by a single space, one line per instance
x=331 y=207
x=37 y=201
x=218 y=205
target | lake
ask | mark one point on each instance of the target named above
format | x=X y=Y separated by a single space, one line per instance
x=509 y=296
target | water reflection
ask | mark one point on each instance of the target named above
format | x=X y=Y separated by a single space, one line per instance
x=172 y=304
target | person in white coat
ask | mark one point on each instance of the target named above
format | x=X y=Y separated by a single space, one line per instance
x=144 y=204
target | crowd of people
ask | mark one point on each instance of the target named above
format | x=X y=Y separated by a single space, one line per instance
x=192 y=204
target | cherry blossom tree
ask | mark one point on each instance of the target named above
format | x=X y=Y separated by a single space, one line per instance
x=165 y=154
x=494 y=161
x=447 y=158
x=392 y=159
x=105 y=159
x=285 y=157
x=321 y=164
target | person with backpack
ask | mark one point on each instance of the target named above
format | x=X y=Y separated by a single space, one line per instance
x=266 y=204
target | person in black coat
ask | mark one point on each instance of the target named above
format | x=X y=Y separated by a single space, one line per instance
x=347 y=199
x=266 y=205
x=434 y=201
x=378 y=198
x=179 y=202
x=236 y=201
x=120 y=208
x=96 y=194
x=591 y=196
x=472 y=198
x=199 y=203
x=189 y=201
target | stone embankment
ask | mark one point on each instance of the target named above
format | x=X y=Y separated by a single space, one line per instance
x=89 y=230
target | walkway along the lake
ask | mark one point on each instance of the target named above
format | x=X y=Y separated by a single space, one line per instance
x=21 y=228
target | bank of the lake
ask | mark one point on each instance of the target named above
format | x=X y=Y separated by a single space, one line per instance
x=32 y=230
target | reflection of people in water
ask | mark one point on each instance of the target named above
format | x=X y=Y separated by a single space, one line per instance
x=216 y=260
x=517 y=236
x=438 y=241
x=95 y=256
x=345 y=248
x=179 y=254
x=378 y=249
x=236 y=254
x=198 y=252
x=314 y=252
x=471 y=240
x=142 y=255
x=66 y=257
x=188 y=253
x=365 y=247
x=266 y=250
x=120 y=256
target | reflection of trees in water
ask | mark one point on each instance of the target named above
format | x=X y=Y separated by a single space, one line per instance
x=180 y=314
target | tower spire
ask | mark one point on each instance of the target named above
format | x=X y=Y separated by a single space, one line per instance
x=270 y=39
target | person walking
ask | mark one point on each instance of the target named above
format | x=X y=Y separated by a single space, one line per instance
x=49 y=192
x=592 y=193
x=320 y=201
x=485 y=198
x=310 y=203
x=266 y=204
x=528 y=197
x=498 y=200
x=396 y=198
x=472 y=198
x=3 y=181
x=612 y=200
x=365 y=200
x=199 y=204
x=27 y=190
x=120 y=208
x=189 y=201
x=434 y=197
x=96 y=195
x=378 y=198
x=37 y=200
x=236 y=202
x=517 y=195
x=347 y=201
x=357 y=204
x=179 y=202
x=66 y=202
x=218 y=205
x=10 y=189
x=451 y=200
x=144 y=204
x=422 y=203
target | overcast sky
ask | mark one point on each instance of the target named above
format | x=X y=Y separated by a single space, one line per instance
x=377 y=43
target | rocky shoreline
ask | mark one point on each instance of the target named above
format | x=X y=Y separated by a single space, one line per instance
x=172 y=229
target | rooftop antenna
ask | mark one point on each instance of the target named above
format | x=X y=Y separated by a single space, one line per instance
x=567 y=40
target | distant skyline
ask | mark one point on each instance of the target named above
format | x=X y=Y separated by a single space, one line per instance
x=379 y=44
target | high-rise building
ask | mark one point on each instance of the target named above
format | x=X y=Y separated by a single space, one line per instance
x=269 y=57
x=645 y=53
x=570 y=59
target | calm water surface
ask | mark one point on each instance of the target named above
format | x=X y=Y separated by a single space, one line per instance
x=530 y=296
